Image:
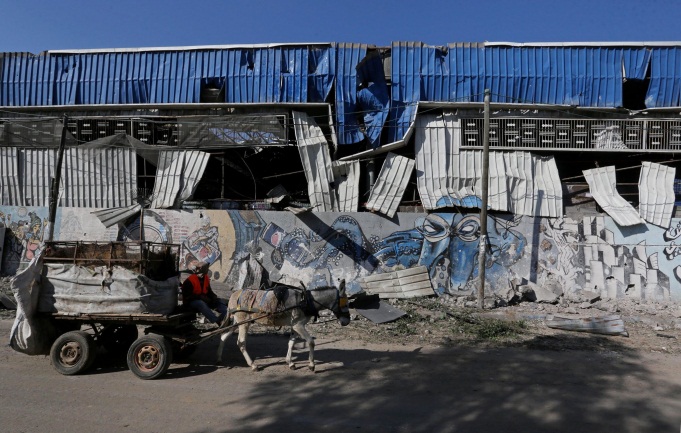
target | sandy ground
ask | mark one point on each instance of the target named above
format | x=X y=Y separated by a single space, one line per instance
x=426 y=372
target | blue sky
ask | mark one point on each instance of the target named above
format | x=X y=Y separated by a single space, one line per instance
x=39 y=25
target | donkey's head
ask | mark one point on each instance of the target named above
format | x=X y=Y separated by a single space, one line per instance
x=341 y=309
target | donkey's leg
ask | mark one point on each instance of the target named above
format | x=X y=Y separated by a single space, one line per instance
x=241 y=342
x=300 y=329
x=224 y=337
x=291 y=342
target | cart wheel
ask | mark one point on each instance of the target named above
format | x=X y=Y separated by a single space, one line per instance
x=117 y=339
x=73 y=352
x=150 y=356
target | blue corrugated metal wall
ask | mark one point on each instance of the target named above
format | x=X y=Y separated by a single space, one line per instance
x=588 y=76
x=268 y=74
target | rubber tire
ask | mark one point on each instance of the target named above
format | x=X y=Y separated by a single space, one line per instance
x=117 y=339
x=73 y=352
x=150 y=356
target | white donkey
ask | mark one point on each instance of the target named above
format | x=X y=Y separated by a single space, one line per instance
x=283 y=305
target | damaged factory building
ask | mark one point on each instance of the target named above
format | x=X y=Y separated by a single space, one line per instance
x=314 y=163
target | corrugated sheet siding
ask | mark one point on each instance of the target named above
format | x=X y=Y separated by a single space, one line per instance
x=665 y=78
x=169 y=178
x=436 y=140
x=348 y=57
x=602 y=183
x=656 y=193
x=346 y=180
x=10 y=188
x=37 y=168
x=195 y=163
x=314 y=154
x=390 y=185
x=100 y=178
x=268 y=74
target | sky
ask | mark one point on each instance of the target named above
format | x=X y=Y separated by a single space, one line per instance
x=39 y=25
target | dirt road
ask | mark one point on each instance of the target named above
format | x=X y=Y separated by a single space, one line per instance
x=379 y=388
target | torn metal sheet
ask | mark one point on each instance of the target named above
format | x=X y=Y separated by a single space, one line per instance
x=602 y=183
x=346 y=182
x=110 y=217
x=177 y=176
x=609 y=325
x=391 y=182
x=386 y=147
x=656 y=193
x=276 y=194
x=407 y=283
x=314 y=153
x=373 y=309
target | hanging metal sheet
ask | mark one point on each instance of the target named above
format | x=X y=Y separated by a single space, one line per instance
x=37 y=166
x=602 y=183
x=177 y=174
x=346 y=181
x=665 y=78
x=391 y=182
x=101 y=178
x=656 y=193
x=195 y=163
x=436 y=140
x=10 y=188
x=519 y=182
x=348 y=57
x=110 y=217
x=636 y=62
x=314 y=153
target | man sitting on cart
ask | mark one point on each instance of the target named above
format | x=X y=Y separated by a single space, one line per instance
x=198 y=295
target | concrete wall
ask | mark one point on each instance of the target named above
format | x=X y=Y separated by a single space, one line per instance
x=318 y=248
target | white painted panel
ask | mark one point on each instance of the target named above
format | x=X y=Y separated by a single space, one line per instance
x=10 y=177
x=391 y=182
x=602 y=186
x=656 y=193
x=346 y=175
x=314 y=153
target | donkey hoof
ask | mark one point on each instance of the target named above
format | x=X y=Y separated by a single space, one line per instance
x=292 y=366
x=255 y=367
x=311 y=367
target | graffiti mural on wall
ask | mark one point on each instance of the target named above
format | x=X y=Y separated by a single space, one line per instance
x=597 y=255
x=447 y=244
x=341 y=251
x=641 y=262
x=23 y=237
x=201 y=245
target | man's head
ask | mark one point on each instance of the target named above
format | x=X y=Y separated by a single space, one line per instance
x=201 y=269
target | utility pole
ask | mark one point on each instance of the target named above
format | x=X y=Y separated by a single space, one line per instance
x=482 y=248
x=54 y=190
